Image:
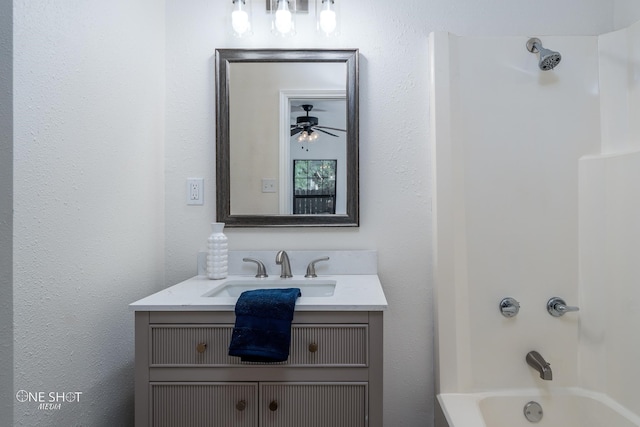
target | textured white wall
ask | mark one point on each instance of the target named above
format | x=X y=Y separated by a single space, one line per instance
x=6 y=213
x=88 y=200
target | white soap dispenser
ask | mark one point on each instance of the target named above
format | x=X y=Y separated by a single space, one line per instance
x=217 y=252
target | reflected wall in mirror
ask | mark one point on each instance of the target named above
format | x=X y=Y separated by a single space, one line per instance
x=280 y=108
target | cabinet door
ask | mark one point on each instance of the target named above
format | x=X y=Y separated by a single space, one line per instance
x=313 y=404
x=203 y=404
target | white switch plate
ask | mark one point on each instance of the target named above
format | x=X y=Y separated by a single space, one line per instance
x=268 y=185
x=195 y=191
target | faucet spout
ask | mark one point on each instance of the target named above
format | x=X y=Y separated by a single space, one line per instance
x=537 y=362
x=283 y=259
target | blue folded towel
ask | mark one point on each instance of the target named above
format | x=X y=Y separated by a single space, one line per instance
x=262 y=332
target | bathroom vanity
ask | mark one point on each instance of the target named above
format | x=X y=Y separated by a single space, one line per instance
x=332 y=378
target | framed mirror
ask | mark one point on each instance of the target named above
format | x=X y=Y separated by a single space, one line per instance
x=287 y=135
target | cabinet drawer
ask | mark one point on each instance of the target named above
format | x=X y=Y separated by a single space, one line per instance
x=313 y=404
x=207 y=345
x=203 y=404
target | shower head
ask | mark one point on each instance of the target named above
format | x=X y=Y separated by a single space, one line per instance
x=549 y=59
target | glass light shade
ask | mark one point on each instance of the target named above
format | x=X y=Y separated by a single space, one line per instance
x=241 y=18
x=283 y=22
x=327 y=17
x=303 y=136
x=308 y=136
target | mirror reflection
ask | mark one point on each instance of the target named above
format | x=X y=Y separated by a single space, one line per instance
x=287 y=136
x=318 y=151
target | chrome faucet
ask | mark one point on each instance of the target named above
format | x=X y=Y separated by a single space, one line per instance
x=537 y=362
x=557 y=307
x=283 y=259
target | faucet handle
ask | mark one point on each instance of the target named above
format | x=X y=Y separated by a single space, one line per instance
x=509 y=307
x=262 y=271
x=311 y=268
x=557 y=307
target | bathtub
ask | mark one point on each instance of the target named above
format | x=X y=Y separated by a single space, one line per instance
x=562 y=407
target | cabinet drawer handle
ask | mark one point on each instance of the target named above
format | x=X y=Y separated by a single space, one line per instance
x=241 y=406
x=201 y=347
x=273 y=406
x=313 y=347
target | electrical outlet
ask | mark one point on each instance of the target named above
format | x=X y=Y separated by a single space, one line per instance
x=268 y=185
x=195 y=191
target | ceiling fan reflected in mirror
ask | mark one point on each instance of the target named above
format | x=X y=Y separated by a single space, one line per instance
x=307 y=127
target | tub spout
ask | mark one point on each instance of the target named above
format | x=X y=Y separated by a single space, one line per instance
x=537 y=362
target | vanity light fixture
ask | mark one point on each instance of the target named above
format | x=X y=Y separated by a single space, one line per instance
x=283 y=22
x=241 y=18
x=283 y=16
x=327 y=18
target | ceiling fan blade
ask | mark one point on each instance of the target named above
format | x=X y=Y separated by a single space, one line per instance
x=295 y=108
x=324 y=131
x=327 y=127
x=295 y=131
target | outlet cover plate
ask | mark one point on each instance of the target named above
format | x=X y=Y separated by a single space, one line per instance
x=195 y=191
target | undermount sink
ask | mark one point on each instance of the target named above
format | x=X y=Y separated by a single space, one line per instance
x=314 y=288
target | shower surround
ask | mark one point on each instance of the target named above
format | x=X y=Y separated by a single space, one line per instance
x=537 y=196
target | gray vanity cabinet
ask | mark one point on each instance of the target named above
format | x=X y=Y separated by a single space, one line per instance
x=184 y=377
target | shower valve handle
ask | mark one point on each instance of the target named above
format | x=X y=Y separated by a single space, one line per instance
x=557 y=307
x=509 y=307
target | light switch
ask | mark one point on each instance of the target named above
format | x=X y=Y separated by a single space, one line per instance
x=268 y=185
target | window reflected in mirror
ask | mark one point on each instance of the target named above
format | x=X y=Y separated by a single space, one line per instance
x=314 y=187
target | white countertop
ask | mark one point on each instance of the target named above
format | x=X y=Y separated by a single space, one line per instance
x=353 y=292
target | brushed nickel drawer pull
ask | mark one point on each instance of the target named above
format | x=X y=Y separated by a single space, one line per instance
x=313 y=347
x=241 y=406
x=273 y=406
x=201 y=347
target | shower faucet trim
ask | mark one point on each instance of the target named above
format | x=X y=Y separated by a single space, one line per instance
x=557 y=307
x=537 y=362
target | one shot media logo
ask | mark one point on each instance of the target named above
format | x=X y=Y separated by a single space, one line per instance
x=51 y=400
